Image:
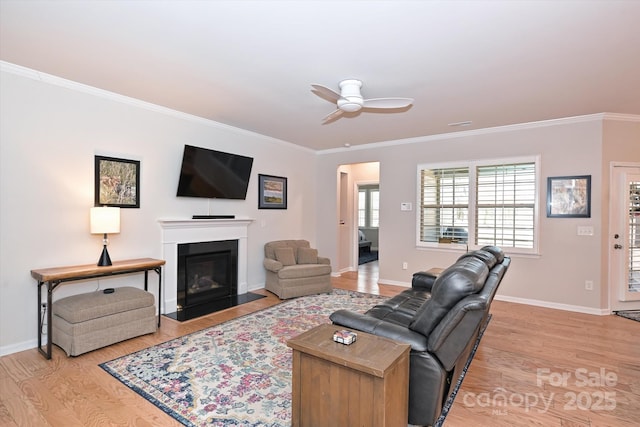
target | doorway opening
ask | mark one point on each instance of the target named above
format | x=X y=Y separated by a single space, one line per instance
x=359 y=200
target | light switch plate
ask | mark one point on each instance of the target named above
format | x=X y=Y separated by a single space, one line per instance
x=405 y=206
x=585 y=230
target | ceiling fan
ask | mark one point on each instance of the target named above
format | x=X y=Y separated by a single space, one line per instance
x=350 y=100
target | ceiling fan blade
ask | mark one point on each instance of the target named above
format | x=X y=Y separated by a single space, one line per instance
x=326 y=93
x=387 y=102
x=333 y=116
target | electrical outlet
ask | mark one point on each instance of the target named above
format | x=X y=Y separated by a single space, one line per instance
x=405 y=265
x=588 y=285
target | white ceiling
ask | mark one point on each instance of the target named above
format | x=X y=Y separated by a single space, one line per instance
x=250 y=64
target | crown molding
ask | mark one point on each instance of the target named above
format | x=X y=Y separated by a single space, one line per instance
x=491 y=130
x=79 y=87
x=105 y=94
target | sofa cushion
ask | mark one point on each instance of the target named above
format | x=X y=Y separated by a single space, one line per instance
x=285 y=256
x=270 y=247
x=92 y=305
x=485 y=256
x=465 y=277
x=496 y=251
x=304 y=270
x=307 y=256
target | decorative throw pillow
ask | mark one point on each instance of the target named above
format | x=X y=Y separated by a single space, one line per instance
x=307 y=256
x=285 y=256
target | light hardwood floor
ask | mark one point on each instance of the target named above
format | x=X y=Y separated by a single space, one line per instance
x=534 y=367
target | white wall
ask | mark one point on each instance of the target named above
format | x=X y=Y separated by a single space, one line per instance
x=556 y=276
x=50 y=132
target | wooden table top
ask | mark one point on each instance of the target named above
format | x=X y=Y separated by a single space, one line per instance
x=369 y=353
x=89 y=270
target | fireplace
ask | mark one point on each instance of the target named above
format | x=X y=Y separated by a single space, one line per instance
x=207 y=274
x=217 y=254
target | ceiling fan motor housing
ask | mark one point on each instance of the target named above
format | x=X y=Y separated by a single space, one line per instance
x=351 y=99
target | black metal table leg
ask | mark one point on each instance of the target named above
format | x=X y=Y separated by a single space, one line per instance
x=50 y=287
x=40 y=319
x=159 y=273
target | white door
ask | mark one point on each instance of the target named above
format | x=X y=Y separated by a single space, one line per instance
x=625 y=234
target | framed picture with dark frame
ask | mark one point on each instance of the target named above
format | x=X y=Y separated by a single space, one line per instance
x=117 y=182
x=272 y=192
x=569 y=196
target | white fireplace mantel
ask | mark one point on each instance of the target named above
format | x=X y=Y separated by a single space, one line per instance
x=177 y=231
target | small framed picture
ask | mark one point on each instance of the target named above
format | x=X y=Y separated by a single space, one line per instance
x=569 y=196
x=272 y=192
x=117 y=182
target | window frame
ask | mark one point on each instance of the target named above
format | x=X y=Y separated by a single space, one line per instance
x=368 y=209
x=472 y=166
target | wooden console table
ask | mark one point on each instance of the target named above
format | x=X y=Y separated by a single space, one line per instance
x=52 y=277
x=365 y=383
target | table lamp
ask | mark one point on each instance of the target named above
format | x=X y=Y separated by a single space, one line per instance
x=105 y=220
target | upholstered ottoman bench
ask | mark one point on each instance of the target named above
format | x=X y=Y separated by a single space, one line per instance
x=86 y=322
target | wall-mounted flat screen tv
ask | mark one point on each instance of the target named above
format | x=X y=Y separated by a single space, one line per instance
x=213 y=174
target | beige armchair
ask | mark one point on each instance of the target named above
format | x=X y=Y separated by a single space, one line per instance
x=294 y=269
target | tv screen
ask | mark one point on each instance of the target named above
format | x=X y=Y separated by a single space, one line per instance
x=213 y=174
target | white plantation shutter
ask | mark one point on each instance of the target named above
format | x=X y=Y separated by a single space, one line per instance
x=505 y=205
x=481 y=203
x=444 y=204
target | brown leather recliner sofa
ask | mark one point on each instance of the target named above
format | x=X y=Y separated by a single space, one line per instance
x=441 y=318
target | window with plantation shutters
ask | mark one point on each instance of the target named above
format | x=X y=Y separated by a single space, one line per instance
x=368 y=206
x=505 y=205
x=444 y=205
x=478 y=204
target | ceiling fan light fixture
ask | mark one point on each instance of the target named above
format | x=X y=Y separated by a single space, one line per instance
x=350 y=104
x=350 y=100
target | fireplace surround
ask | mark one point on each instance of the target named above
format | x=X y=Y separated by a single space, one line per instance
x=195 y=231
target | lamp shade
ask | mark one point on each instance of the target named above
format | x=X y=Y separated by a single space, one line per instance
x=105 y=220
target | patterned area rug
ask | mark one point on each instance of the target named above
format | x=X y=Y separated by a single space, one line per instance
x=629 y=314
x=237 y=373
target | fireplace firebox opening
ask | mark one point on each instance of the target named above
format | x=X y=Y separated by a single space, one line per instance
x=207 y=279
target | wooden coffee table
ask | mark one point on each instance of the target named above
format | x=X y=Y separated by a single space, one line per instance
x=365 y=383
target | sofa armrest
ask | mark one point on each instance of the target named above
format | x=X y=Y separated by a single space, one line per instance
x=457 y=329
x=371 y=325
x=423 y=280
x=272 y=265
x=323 y=260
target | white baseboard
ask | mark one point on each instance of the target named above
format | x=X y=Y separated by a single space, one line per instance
x=256 y=287
x=394 y=282
x=21 y=346
x=554 y=305
x=526 y=301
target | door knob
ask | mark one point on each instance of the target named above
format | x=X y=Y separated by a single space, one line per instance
x=617 y=246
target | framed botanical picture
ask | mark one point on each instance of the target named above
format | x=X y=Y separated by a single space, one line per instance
x=117 y=182
x=569 y=196
x=272 y=192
